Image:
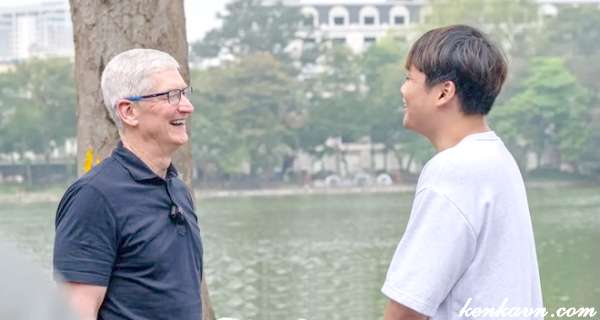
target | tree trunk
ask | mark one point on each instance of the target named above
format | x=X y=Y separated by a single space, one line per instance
x=101 y=30
x=386 y=153
x=409 y=163
x=372 y=155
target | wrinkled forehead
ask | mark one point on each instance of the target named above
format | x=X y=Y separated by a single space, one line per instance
x=167 y=79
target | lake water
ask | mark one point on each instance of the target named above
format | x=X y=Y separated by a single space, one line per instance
x=325 y=257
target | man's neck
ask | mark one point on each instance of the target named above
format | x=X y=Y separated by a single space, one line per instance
x=156 y=159
x=449 y=135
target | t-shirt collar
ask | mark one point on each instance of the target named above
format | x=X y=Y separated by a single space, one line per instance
x=136 y=167
x=488 y=135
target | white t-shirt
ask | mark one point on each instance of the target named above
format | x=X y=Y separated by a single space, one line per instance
x=469 y=240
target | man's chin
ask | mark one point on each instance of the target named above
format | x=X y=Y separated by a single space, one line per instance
x=180 y=141
x=406 y=123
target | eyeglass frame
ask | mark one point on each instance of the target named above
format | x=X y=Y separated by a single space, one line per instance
x=179 y=92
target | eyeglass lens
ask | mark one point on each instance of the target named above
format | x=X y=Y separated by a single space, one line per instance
x=175 y=95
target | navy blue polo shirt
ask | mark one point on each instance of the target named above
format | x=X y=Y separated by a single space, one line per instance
x=123 y=227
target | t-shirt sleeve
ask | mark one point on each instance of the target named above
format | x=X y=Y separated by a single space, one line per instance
x=85 y=245
x=436 y=249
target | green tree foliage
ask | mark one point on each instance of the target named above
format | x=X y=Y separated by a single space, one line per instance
x=248 y=27
x=260 y=108
x=244 y=114
x=37 y=105
x=509 y=22
x=589 y=160
x=573 y=34
x=336 y=107
x=384 y=71
x=548 y=113
x=512 y=24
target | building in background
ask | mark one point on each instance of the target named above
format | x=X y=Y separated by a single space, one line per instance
x=550 y=8
x=45 y=29
x=360 y=23
x=39 y=30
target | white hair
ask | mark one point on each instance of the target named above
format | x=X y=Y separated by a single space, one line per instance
x=130 y=74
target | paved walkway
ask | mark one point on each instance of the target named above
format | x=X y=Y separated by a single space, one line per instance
x=24 y=197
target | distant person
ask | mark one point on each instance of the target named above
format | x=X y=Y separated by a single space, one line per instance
x=469 y=241
x=127 y=239
x=25 y=293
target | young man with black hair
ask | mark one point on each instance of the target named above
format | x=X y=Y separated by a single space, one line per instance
x=469 y=241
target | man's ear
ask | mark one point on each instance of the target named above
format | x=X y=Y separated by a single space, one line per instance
x=126 y=111
x=446 y=92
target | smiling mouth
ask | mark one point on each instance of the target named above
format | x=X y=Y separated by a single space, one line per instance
x=177 y=123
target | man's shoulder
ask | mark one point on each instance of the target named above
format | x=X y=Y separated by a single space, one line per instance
x=471 y=167
x=87 y=194
x=470 y=156
x=106 y=172
x=99 y=180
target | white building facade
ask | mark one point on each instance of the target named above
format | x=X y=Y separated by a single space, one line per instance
x=360 y=23
x=40 y=30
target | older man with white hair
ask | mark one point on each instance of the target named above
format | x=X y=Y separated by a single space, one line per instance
x=127 y=238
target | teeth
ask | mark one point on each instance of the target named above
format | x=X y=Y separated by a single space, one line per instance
x=178 y=122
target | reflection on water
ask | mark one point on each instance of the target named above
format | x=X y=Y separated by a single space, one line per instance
x=328 y=279
x=301 y=257
x=325 y=257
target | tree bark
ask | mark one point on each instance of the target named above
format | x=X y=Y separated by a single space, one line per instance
x=101 y=30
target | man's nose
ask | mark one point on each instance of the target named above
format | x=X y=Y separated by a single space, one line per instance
x=185 y=105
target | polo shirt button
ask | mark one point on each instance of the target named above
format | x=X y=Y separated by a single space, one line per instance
x=181 y=230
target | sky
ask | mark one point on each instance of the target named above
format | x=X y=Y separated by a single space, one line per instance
x=200 y=14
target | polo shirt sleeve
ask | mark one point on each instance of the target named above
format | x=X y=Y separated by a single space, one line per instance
x=436 y=249
x=86 y=241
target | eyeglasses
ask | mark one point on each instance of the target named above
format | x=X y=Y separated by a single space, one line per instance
x=173 y=96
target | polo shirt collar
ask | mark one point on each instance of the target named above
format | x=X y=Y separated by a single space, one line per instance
x=136 y=167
